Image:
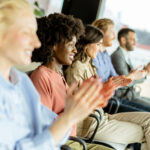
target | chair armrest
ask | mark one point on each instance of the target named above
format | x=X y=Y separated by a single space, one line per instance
x=96 y=128
x=115 y=99
x=65 y=147
x=99 y=112
x=79 y=140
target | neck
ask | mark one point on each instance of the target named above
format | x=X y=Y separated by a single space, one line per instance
x=124 y=48
x=4 y=67
x=103 y=48
x=55 y=66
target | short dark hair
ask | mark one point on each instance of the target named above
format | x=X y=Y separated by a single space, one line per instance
x=52 y=30
x=124 y=32
x=92 y=35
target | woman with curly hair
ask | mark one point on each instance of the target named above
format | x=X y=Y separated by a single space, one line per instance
x=58 y=34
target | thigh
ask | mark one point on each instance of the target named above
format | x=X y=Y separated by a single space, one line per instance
x=136 y=105
x=140 y=118
x=119 y=132
x=74 y=145
x=97 y=147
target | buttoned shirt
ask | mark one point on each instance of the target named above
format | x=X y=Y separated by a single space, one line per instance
x=24 y=121
x=104 y=66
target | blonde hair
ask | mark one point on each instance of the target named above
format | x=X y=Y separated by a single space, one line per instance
x=102 y=24
x=9 y=9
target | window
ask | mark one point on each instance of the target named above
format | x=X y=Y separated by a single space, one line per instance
x=133 y=14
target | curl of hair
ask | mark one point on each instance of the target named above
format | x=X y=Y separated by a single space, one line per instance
x=52 y=30
x=92 y=35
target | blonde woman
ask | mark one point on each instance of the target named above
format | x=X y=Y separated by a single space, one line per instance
x=24 y=122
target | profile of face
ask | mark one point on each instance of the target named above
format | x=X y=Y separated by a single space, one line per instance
x=92 y=49
x=20 y=39
x=130 y=41
x=65 y=51
x=109 y=36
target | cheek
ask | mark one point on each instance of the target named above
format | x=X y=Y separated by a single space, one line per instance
x=96 y=50
x=23 y=41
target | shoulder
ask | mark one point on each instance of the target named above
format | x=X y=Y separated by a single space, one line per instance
x=78 y=65
x=41 y=73
x=117 y=53
x=21 y=75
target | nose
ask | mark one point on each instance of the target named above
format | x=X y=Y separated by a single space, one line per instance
x=75 y=50
x=37 y=42
x=114 y=36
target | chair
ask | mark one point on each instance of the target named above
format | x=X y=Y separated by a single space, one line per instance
x=115 y=146
x=91 y=139
x=113 y=105
x=79 y=140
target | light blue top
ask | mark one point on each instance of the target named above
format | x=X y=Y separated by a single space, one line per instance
x=24 y=121
x=104 y=66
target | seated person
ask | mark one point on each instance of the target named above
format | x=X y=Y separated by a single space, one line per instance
x=58 y=34
x=123 y=128
x=122 y=62
x=105 y=69
x=25 y=124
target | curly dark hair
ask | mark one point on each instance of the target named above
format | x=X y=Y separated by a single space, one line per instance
x=92 y=35
x=52 y=30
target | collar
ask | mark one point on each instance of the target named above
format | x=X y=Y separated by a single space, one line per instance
x=14 y=78
x=125 y=53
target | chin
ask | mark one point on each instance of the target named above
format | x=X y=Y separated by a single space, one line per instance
x=68 y=63
x=27 y=62
x=109 y=44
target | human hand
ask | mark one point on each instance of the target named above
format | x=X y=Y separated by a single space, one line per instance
x=137 y=74
x=147 y=68
x=120 y=81
x=84 y=100
x=107 y=92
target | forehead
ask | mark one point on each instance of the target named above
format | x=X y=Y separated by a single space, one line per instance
x=25 y=19
x=131 y=34
x=74 y=39
x=110 y=27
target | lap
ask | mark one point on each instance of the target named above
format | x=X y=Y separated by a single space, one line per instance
x=120 y=130
x=77 y=146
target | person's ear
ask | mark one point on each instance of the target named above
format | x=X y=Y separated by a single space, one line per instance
x=123 y=40
x=86 y=49
x=54 y=48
